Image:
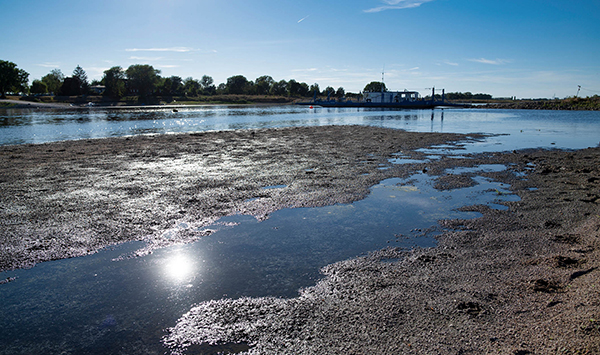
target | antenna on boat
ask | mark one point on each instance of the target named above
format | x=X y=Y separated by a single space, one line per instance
x=382 y=76
x=578 y=88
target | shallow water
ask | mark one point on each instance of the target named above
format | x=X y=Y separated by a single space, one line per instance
x=518 y=129
x=106 y=302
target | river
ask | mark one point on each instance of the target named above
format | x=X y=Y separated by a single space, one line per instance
x=520 y=129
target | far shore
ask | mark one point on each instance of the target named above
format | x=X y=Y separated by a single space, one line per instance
x=574 y=103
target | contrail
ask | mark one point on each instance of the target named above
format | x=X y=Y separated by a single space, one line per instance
x=302 y=19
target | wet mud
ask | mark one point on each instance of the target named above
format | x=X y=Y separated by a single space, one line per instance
x=516 y=281
x=71 y=198
x=520 y=281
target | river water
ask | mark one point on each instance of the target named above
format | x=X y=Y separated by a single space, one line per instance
x=106 y=303
x=521 y=128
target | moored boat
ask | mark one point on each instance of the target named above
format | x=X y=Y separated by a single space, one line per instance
x=385 y=99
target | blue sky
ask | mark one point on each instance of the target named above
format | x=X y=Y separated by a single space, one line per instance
x=523 y=48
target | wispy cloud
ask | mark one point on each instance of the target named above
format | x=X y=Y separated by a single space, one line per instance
x=451 y=63
x=398 y=4
x=145 y=58
x=490 y=61
x=302 y=19
x=170 y=49
x=49 y=65
x=305 y=70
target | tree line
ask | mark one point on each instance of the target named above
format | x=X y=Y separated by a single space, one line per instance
x=467 y=96
x=143 y=80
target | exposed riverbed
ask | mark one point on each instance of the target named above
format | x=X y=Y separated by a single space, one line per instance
x=486 y=287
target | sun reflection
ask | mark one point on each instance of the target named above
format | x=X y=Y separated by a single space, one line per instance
x=179 y=267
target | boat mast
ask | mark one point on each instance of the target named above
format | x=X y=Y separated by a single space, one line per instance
x=382 y=82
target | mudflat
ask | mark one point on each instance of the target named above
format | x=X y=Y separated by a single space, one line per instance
x=519 y=281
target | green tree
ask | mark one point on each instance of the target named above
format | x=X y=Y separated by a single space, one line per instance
x=38 y=87
x=314 y=90
x=172 y=85
x=221 y=89
x=114 y=81
x=279 y=88
x=12 y=78
x=191 y=87
x=263 y=84
x=340 y=92
x=330 y=91
x=82 y=80
x=237 y=84
x=375 y=86
x=293 y=88
x=142 y=79
x=54 y=80
x=208 y=86
x=303 y=89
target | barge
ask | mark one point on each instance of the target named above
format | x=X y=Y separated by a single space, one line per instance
x=385 y=99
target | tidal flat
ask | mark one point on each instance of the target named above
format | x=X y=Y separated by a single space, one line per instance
x=72 y=198
x=519 y=280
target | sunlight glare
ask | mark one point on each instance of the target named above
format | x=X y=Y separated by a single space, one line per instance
x=178 y=267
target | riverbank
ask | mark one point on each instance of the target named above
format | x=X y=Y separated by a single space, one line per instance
x=572 y=103
x=87 y=101
x=568 y=104
x=519 y=281
x=18 y=104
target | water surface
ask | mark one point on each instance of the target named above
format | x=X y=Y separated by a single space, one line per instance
x=517 y=129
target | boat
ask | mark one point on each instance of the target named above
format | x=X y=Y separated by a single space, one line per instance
x=385 y=99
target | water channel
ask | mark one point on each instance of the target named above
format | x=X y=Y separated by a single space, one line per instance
x=108 y=303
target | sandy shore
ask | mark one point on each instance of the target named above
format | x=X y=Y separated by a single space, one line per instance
x=17 y=104
x=512 y=282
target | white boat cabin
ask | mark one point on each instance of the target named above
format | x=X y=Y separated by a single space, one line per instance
x=391 y=96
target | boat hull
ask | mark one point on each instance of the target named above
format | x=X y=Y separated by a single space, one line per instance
x=397 y=105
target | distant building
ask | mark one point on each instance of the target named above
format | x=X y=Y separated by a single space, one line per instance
x=97 y=89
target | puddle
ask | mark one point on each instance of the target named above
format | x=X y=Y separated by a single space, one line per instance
x=107 y=303
x=405 y=159
x=484 y=168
